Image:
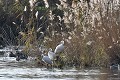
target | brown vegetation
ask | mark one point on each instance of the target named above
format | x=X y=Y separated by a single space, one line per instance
x=90 y=28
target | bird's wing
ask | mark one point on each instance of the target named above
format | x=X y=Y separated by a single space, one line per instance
x=59 y=48
x=47 y=59
x=51 y=55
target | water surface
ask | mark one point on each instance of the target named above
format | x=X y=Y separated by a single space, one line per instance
x=10 y=69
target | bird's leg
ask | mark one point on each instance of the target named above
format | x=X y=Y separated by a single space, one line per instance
x=53 y=65
x=47 y=66
x=57 y=61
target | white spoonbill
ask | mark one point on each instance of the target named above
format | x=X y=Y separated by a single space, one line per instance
x=51 y=54
x=46 y=59
x=60 y=47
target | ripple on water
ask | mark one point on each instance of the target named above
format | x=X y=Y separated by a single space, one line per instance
x=38 y=73
x=11 y=70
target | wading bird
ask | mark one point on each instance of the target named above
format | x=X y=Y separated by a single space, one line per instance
x=51 y=54
x=50 y=58
x=59 y=48
x=46 y=59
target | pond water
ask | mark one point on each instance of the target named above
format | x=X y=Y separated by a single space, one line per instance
x=10 y=69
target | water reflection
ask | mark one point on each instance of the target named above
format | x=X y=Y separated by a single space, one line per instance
x=24 y=70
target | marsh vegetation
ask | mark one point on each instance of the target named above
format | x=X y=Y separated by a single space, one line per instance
x=90 y=29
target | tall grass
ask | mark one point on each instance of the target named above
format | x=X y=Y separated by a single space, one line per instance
x=92 y=32
x=90 y=29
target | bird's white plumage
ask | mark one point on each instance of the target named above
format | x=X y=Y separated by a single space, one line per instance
x=46 y=59
x=59 y=48
x=51 y=54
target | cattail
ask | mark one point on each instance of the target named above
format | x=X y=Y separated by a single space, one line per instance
x=32 y=2
x=16 y=1
x=46 y=3
x=36 y=14
x=25 y=9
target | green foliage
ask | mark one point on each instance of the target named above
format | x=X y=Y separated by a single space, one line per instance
x=41 y=8
x=29 y=39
